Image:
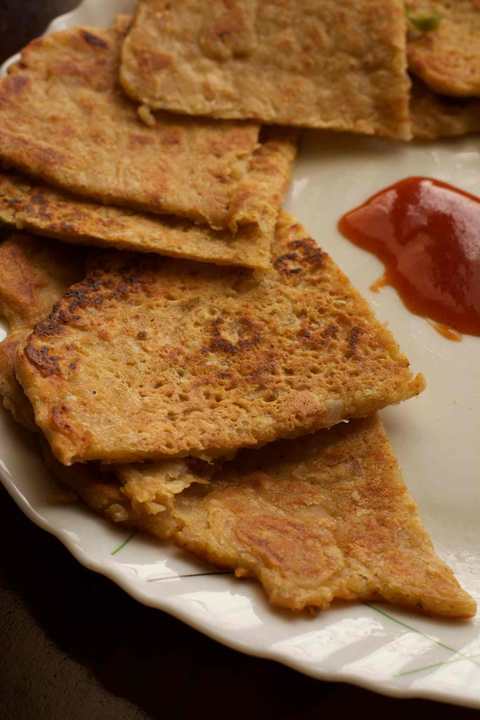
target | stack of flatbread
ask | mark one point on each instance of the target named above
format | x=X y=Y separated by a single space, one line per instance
x=192 y=363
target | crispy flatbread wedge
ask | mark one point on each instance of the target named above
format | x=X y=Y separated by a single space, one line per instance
x=340 y=66
x=34 y=274
x=314 y=519
x=151 y=358
x=42 y=209
x=446 y=54
x=323 y=517
x=64 y=120
x=320 y=518
x=438 y=116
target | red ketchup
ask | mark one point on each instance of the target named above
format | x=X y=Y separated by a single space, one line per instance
x=427 y=234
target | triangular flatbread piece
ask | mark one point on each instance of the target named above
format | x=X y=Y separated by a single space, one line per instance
x=155 y=358
x=322 y=518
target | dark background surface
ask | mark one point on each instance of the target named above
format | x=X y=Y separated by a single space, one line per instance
x=73 y=646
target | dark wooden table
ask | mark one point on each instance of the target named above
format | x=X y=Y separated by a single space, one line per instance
x=75 y=647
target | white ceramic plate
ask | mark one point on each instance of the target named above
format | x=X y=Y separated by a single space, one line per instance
x=435 y=436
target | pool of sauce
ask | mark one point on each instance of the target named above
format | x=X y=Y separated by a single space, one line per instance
x=427 y=234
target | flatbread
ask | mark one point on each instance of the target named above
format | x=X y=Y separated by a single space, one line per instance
x=291 y=514
x=64 y=120
x=323 y=517
x=317 y=519
x=149 y=359
x=42 y=209
x=436 y=116
x=136 y=496
x=34 y=273
x=447 y=57
x=11 y=393
x=340 y=66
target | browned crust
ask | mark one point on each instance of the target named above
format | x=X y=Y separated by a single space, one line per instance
x=321 y=518
x=221 y=358
x=44 y=210
x=315 y=520
x=285 y=514
x=67 y=82
x=34 y=274
x=331 y=65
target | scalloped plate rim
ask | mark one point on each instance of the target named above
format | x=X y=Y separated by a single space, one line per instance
x=135 y=587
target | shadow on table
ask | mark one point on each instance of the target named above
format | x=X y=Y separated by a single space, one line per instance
x=22 y=20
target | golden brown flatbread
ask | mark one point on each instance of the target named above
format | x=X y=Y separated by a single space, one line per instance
x=320 y=518
x=436 y=116
x=446 y=54
x=155 y=358
x=11 y=393
x=328 y=64
x=64 y=120
x=42 y=209
x=314 y=519
x=34 y=274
